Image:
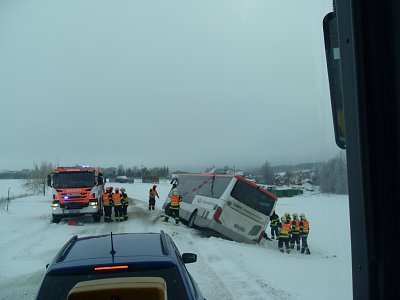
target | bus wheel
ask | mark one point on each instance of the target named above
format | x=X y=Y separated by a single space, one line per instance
x=96 y=217
x=192 y=219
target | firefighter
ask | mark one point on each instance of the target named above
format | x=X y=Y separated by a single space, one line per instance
x=152 y=197
x=288 y=218
x=125 y=203
x=173 y=209
x=274 y=225
x=295 y=229
x=107 y=204
x=304 y=230
x=117 y=201
x=284 y=235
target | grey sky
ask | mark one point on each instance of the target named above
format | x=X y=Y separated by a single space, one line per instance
x=179 y=83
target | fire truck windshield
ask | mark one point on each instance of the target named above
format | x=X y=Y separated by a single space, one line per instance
x=73 y=179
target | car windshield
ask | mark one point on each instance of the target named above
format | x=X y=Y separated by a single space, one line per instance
x=57 y=286
x=73 y=179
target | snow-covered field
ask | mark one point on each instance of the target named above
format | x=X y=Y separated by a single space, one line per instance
x=224 y=270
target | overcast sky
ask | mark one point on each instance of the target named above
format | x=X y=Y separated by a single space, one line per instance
x=185 y=84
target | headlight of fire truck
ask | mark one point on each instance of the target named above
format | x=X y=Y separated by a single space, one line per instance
x=54 y=205
x=93 y=200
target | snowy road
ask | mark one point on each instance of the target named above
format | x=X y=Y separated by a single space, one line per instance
x=224 y=270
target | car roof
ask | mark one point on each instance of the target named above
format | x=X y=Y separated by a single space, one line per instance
x=128 y=248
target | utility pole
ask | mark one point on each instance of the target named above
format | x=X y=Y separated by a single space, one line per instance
x=8 y=197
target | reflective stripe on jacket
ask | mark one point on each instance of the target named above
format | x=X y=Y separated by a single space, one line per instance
x=107 y=199
x=285 y=230
x=305 y=226
x=175 y=199
x=296 y=226
x=124 y=199
x=274 y=221
x=117 y=199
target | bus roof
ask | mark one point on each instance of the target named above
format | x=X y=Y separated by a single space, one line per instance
x=268 y=193
x=205 y=174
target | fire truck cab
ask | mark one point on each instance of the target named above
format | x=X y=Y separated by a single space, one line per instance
x=76 y=191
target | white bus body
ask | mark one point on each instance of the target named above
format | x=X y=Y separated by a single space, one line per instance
x=230 y=205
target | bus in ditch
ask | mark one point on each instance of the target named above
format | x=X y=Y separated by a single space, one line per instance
x=230 y=205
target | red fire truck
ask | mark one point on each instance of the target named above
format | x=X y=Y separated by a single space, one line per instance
x=76 y=191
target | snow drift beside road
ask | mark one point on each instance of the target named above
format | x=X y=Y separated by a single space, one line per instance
x=224 y=270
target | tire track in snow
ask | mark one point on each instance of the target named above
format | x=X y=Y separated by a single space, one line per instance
x=233 y=268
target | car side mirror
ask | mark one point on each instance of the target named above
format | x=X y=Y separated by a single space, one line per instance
x=100 y=180
x=48 y=180
x=332 y=51
x=188 y=258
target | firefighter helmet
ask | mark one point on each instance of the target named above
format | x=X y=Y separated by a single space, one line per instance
x=117 y=189
x=109 y=189
x=295 y=216
x=122 y=189
x=287 y=215
x=154 y=186
x=302 y=216
x=283 y=219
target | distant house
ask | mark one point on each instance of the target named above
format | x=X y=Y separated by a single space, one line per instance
x=150 y=179
x=121 y=179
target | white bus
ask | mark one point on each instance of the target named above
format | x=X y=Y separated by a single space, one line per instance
x=230 y=205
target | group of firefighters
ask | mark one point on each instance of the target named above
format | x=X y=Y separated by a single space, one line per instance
x=289 y=232
x=119 y=201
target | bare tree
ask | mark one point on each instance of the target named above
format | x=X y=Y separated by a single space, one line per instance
x=268 y=173
x=333 y=175
x=121 y=170
x=37 y=181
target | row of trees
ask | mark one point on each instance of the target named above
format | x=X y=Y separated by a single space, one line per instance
x=331 y=176
x=136 y=172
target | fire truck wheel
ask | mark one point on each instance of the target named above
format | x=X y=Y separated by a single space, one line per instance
x=56 y=219
x=96 y=217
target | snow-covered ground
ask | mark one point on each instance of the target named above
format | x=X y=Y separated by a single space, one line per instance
x=224 y=270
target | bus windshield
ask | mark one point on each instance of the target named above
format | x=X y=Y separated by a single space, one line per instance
x=73 y=179
x=253 y=197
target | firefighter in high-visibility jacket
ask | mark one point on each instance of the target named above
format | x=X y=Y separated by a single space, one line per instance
x=125 y=203
x=174 y=205
x=107 y=204
x=152 y=197
x=304 y=231
x=284 y=235
x=117 y=201
x=295 y=238
x=274 y=226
